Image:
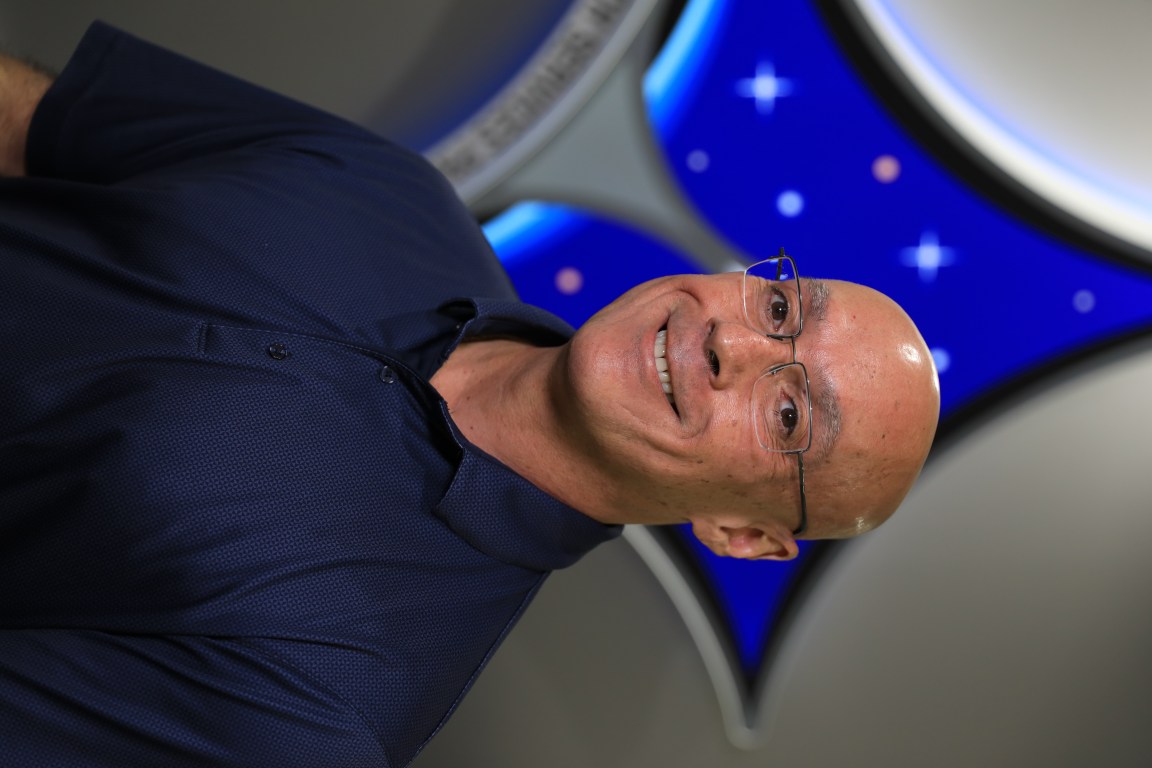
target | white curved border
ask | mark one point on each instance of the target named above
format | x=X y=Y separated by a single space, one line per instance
x=742 y=733
x=1122 y=217
x=544 y=95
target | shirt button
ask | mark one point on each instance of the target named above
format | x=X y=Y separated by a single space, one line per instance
x=278 y=351
x=386 y=374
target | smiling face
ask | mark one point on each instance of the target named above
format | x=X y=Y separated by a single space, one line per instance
x=696 y=457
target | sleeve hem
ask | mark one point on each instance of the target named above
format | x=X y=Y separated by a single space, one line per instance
x=44 y=153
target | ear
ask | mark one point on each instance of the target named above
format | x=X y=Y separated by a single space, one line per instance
x=757 y=541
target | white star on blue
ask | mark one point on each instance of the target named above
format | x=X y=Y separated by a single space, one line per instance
x=764 y=88
x=790 y=203
x=927 y=257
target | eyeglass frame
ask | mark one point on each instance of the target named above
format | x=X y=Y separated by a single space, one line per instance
x=791 y=338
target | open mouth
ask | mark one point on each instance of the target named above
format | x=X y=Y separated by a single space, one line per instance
x=658 y=352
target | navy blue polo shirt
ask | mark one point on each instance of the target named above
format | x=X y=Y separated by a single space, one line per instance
x=237 y=525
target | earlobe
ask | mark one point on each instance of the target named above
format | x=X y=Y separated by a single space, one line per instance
x=747 y=542
x=755 y=543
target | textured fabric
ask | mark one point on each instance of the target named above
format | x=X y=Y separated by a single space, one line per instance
x=237 y=525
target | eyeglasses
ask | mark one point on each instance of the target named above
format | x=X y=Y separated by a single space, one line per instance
x=781 y=403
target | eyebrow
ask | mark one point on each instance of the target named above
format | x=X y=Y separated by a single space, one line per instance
x=816 y=307
x=826 y=430
x=826 y=404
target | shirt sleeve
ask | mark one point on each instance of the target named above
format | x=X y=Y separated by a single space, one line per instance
x=123 y=106
x=84 y=698
x=262 y=210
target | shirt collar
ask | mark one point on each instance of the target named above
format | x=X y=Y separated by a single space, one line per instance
x=490 y=506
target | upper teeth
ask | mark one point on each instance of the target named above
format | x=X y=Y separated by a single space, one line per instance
x=662 y=365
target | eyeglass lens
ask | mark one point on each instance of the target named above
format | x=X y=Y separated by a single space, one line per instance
x=771 y=297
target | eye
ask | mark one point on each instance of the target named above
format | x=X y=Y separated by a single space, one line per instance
x=780 y=402
x=778 y=308
x=789 y=417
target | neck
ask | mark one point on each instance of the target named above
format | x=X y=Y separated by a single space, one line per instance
x=506 y=396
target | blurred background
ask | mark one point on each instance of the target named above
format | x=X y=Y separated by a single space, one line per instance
x=987 y=163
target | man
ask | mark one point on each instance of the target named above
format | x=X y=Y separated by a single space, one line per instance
x=282 y=459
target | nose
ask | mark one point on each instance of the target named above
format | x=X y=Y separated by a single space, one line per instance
x=735 y=352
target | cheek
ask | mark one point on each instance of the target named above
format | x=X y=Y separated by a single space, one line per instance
x=724 y=490
x=726 y=450
x=733 y=417
x=731 y=429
